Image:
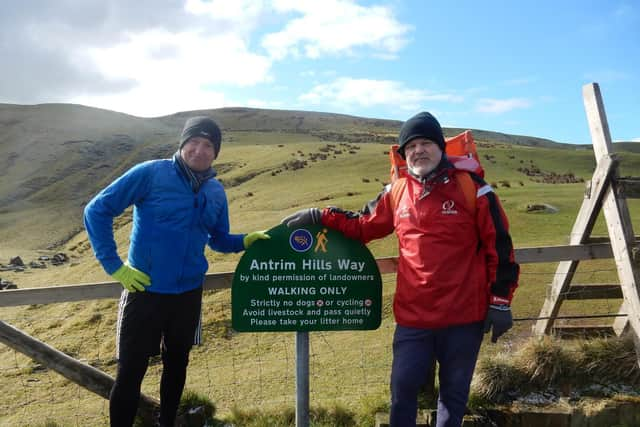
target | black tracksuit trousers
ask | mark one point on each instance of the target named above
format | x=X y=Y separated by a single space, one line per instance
x=148 y=323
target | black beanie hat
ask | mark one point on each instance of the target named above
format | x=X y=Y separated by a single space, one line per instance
x=201 y=126
x=422 y=125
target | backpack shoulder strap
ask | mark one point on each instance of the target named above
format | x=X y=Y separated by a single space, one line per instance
x=397 y=188
x=468 y=188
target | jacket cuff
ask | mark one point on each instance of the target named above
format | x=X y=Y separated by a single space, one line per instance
x=325 y=213
x=112 y=265
x=498 y=300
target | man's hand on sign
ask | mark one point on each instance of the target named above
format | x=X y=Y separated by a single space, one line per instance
x=251 y=238
x=303 y=217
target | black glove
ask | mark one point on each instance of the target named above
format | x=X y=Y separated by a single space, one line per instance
x=303 y=217
x=499 y=318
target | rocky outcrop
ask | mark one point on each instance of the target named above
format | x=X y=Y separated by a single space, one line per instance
x=17 y=265
x=6 y=284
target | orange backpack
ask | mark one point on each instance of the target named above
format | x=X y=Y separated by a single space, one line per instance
x=461 y=152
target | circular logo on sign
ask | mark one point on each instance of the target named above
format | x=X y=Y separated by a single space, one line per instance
x=300 y=240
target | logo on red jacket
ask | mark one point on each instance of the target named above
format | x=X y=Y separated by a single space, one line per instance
x=448 y=208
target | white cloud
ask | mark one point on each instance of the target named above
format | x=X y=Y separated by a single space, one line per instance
x=335 y=27
x=165 y=54
x=151 y=101
x=176 y=70
x=346 y=92
x=244 y=14
x=189 y=57
x=498 y=106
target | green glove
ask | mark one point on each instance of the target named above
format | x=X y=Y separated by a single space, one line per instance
x=131 y=278
x=250 y=238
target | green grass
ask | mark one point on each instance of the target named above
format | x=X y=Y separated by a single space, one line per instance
x=253 y=374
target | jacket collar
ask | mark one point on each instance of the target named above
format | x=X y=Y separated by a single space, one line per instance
x=196 y=179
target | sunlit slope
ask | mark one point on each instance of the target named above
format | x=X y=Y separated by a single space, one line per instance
x=55 y=157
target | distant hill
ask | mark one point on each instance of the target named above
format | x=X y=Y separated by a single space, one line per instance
x=628 y=146
x=55 y=157
x=505 y=138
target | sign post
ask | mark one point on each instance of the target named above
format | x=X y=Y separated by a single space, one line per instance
x=302 y=379
x=306 y=279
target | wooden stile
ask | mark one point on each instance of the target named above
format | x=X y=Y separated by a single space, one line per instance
x=606 y=193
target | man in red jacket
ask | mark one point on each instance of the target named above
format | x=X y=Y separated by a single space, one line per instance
x=456 y=269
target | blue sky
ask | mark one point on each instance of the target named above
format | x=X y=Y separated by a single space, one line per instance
x=506 y=66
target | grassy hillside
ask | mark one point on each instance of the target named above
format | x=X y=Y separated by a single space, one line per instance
x=48 y=176
x=55 y=157
x=259 y=172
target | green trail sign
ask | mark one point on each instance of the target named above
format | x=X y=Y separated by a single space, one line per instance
x=306 y=279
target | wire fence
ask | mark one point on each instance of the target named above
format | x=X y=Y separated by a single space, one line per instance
x=242 y=370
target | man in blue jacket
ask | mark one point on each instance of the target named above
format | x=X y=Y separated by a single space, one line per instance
x=178 y=208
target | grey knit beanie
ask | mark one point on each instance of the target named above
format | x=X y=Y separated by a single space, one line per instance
x=201 y=126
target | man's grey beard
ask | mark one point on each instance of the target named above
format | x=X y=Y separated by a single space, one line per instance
x=421 y=171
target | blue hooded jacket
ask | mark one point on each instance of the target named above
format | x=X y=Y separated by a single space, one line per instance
x=171 y=225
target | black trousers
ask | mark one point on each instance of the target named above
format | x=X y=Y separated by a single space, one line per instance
x=148 y=324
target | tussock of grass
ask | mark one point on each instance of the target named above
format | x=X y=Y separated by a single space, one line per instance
x=614 y=360
x=369 y=406
x=196 y=410
x=551 y=363
x=497 y=376
x=546 y=361
x=283 y=417
x=337 y=416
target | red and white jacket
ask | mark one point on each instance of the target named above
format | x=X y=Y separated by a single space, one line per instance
x=453 y=263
